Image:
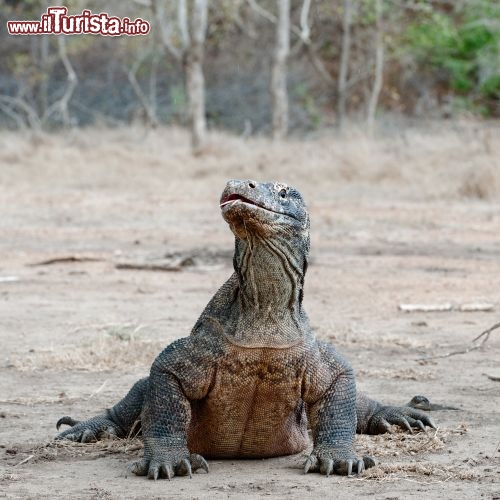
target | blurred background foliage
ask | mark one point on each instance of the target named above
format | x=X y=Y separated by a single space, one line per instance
x=462 y=49
x=441 y=59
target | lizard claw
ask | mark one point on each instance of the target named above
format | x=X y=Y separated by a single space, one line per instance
x=88 y=431
x=161 y=461
x=349 y=467
x=311 y=464
x=326 y=467
x=168 y=471
x=88 y=437
x=342 y=461
x=66 y=421
x=361 y=466
x=184 y=468
x=139 y=467
x=153 y=470
x=198 y=462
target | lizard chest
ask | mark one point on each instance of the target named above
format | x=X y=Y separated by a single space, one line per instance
x=254 y=406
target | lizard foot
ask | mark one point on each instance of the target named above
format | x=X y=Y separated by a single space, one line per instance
x=338 y=460
x=159 y=462
x=88 y=431
x=407 y=418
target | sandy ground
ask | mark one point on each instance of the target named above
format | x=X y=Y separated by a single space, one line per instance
x=411 y=218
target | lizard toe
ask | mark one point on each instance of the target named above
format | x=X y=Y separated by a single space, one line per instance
x=69 y=435
x=360 y=467
x=167 y=470
x=88 y=436
x=311 y=464
x=139 y=467
x=349 y=467
x=184 y=468
x=326 y=466
x=154 y=470
x=369 y=461
x=198 y=462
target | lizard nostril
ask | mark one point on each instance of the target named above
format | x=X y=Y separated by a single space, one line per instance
x=251 y=184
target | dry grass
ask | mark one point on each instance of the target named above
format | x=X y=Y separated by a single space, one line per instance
x=115 y=348
x=55 y=450
x=400 y=443
x=409 y=446
x=397 y=444
x=417 y=472
x=437 y=160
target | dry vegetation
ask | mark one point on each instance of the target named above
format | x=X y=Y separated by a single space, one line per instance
x=117 y=349
x=443 y=160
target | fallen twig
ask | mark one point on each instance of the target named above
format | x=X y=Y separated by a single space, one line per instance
x=27 y=459
x=491 y=377
x=98 y=390
x=173 y=265
x=425 y=307
x=485 y=336
x=470 y=307
x=67 y=258
x=486 y=333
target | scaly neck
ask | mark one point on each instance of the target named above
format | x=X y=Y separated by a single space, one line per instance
x=268 y=312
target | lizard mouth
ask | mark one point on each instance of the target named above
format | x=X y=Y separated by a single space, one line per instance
x=229 y=199
x=237 y=197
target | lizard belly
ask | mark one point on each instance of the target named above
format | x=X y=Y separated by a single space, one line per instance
x=254 y=408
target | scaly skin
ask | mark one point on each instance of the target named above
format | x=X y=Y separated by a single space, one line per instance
x=251 y=378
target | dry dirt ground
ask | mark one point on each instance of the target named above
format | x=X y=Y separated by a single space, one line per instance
x=413 y=217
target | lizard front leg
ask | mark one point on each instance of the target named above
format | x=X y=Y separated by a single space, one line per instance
x=331 y=398
x=177 y=376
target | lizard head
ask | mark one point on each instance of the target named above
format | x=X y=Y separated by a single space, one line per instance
x=265 y=210
x=271 y=226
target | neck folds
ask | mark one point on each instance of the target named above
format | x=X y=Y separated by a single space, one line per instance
x=267 y=312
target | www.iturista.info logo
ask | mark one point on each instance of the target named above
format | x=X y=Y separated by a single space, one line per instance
x=57 y=22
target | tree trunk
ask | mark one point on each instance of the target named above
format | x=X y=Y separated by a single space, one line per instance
x=45 y=77
x=344 y=64
x=45 y=66
x=195 y=81
x=379 y=69
x=72 y=83
x=279 y=95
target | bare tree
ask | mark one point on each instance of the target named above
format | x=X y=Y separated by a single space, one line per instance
x=45 y=62
x=186 y=44
x=149 y=105
x=45 y=65
x=61 y=106
x=344 y=64
x=379 y=68
x=195 y=81
x=302 y=33
x=279 y=95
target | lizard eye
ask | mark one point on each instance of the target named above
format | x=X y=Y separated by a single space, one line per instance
x=283 y=193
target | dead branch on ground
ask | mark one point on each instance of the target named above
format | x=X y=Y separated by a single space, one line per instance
x=65 y=259
x=483 y=335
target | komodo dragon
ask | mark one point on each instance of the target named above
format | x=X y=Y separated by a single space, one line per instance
x=251 y=378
